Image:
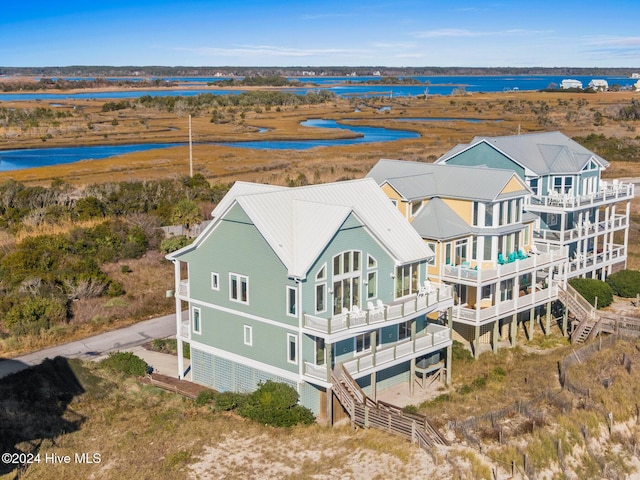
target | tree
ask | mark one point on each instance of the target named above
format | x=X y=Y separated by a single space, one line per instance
x=186 y=213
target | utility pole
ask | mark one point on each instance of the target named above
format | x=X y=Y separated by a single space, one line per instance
x=190 y=150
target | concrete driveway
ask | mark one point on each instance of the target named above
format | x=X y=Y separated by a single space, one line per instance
x=98 y=346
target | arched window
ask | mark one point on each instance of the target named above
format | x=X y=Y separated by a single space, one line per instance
x=347 y=274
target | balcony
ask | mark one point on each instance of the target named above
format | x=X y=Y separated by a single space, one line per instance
x=588 y=262
x=585 y=230
x=433 y=338
x=610 y=192
x=431 y=297
x=183 y=288
x=470 y=276
x=185 y=331
x=486 y=312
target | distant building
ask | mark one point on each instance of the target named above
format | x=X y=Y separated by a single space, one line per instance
x=599 y=85
x=568 y=83
x=637 y=86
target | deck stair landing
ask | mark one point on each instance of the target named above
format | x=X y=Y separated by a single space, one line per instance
x=366 y=413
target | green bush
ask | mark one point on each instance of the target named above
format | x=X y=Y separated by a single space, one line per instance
x=226 y=401
x=125 y=362
x=34 y=314
x=459 y=353
x=205 y=397
x=590 y=288
x=172 y=244
x=275 y=404
x=625 y=283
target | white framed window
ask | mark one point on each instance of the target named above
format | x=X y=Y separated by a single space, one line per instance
x=407 y=280
x=215 y=281
x=372 y=284
x=292 y=295
x=363 y=342
x=415 y=207
x=196 y=320
x=321 y=297
x=346 y=280
x=238 y=288
x=404 y=330
x=371 y=262
x=552 y=219
x=432 y=246
x=292 y=348
x=248 y=335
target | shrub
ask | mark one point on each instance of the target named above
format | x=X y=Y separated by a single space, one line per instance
x=35 y=314
x=275 y=404
x=125 y=362
x=460 y=353
x=625 y=283
x=226 y=401
x=205 y=397
x=172 y=244
x=590 y=288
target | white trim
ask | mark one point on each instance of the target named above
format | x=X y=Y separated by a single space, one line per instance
x=292 y=337
x=247 y=335
x=195 y=310
x=294 y=377
x=243 y=314
x=239 y=278
x=290 y=289
x=325 y=292
x=215 y=285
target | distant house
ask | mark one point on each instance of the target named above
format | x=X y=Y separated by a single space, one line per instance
x=637 y=86
x=568 y=83
x=599 y=85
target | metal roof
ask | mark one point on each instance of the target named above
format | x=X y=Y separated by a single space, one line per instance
x=418 y=180
x=298 y=223
x=542 y=153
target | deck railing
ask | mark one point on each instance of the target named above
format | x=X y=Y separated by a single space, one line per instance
x=413 y=305
x=552 y=256
x=608 y=193
x=584 y=230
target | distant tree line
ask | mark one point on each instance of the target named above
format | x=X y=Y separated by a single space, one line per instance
x=64 y=84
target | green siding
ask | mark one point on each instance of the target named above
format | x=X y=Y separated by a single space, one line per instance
x=483 y=154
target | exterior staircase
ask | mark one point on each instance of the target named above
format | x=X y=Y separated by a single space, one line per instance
x=366 y=413
x=587 y=319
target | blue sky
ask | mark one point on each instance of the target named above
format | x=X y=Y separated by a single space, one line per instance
x=300 y=33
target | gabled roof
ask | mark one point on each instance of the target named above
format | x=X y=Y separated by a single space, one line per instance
x=417 y=180
x=437 y=221
x=298 y=223
x=541 y=153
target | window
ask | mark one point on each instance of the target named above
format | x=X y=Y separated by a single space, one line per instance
x=415 y=207
x=363 y=342
x=346 y=280
x=474 y=248
x=292 y=295
x=195 y=320
x=371 y=262
x=215 y=281
x=506 y=290
x=372 y=287
x=488 y=215
x=322 y=273
x=239 y=288
x=487 y=248
x=404 y=330
x=432 y=246
x=292 y=348
x=407 y=280
x=320 y=357
x=552 y=219
x=248 y=335
x=461 y=251
x=533 y=183
x=476 y=212
x=447 y=253
x=321 y=297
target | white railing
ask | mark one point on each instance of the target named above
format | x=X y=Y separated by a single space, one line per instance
x=586 y=229
x=316 y=371
x=610 y=192
x=432 y=339
x=507 y=307
x=183 y=288
x=592 y=260
x=432 y=295
x=185 y=331
x=552 y=256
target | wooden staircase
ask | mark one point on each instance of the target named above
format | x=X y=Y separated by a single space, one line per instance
x=366 y=413
x=587 y=319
